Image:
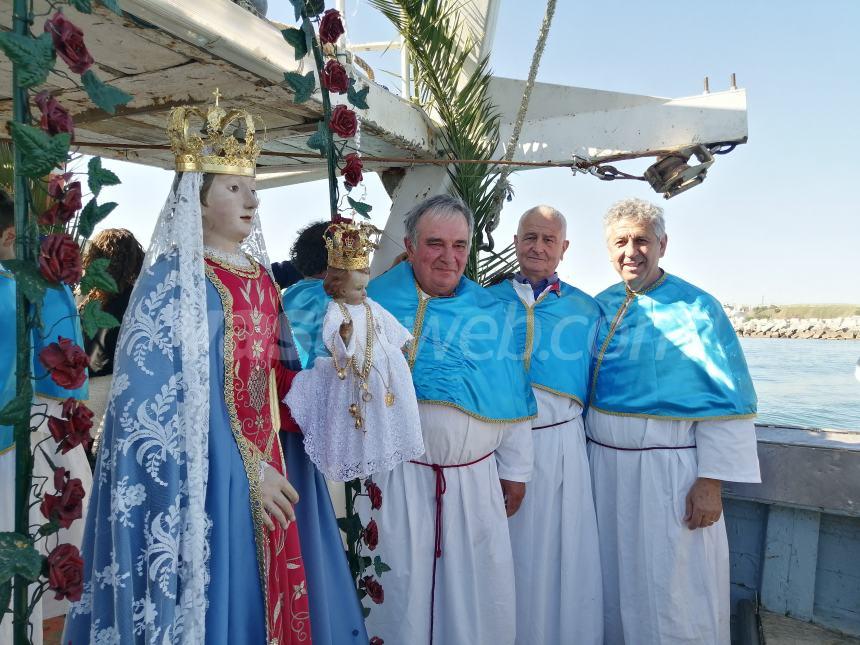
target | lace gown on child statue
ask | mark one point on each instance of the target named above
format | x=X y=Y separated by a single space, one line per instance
x=357 y=406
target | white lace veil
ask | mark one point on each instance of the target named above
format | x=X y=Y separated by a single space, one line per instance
x=181 y=326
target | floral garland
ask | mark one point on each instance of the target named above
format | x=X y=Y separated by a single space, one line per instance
x=49 y=256
x=340 y=121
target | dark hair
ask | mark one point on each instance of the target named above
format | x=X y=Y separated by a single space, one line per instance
x=335 y=279
x=208 y=178
x=7 y=211
x=308 y=253
x=126 y=259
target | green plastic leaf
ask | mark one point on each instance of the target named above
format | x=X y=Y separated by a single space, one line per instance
x=380 y=567
x=320 y=139
x=105 y=96
x=49 y=528
x=99 y=177
x=84 y=6
x=359 y=98
x=28 y=277
x=33 y=57
x=92 y=214
x=113 y=5
x=40 y=152
x=18 y=409
x=365 y=562
x=18 y=558
x=360 y=207
x=303 y=86
x=93 y=318
x=365 y=611
x=296 y=38
x=298 y=5
x=97 y=277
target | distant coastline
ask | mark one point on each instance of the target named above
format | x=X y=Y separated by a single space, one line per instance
x=827 y=322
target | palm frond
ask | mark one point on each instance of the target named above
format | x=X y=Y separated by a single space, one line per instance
x=441 y=49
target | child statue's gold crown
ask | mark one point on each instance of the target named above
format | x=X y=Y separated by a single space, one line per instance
x=212 y=146
x=349 y=244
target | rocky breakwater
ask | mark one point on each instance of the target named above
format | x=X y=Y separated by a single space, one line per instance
x=847 y=328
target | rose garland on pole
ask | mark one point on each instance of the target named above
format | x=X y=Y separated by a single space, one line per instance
x=339 y=121
x=48 y=257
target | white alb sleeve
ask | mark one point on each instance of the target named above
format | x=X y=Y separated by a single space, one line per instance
x=728 y=450
x=515 y=454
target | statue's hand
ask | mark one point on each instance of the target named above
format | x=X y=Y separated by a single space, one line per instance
x=346 y=331
x=278 y=498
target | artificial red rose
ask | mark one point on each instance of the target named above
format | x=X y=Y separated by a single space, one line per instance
x=67 y=201
x=343 y=122
x=376 y=640
x=67 y=505
x=331 y=27
x=66 y=362
x=334 y=77
x=374 y=492
x=351 y=171
x=74 y=429
x=60 y=259
x=66 y=572
x=69 y=43
x=374 y=589
x=370 y=535
x=55 y=118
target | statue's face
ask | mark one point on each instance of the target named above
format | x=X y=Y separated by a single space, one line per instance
x=635 y=252
x=439 y=257
x=355 y=288
x=540 y=245
x=228 y=214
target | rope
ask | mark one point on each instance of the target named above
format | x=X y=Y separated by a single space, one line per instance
x=502 y=183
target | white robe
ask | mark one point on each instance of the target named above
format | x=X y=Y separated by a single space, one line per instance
x=554 y=535
x=663 y=583
x=474 y=599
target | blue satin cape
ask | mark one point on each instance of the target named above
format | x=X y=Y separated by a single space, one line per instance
x=305 y=303
x=555 y=337
x=671 y=354
x=464 y=357
x=59 y=318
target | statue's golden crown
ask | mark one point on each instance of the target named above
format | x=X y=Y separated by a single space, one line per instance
x=205 y=141
x=349 y=245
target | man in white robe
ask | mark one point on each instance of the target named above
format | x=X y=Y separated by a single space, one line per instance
x=670 y=417
x=554 y=534
x=442 y=525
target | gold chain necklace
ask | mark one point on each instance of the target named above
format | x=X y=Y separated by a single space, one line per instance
x=355 y=410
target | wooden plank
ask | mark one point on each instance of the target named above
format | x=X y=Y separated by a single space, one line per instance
x=791 y=557
x=781 y=630
x=745 y=527
x=837 y=593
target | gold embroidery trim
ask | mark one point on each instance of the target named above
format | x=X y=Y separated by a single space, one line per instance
x=474 y=415
x=244 y=272
x=418 y=326
x=572 y=397
x=612 y=327
x=637 y=415
x=530 y=329
x=251 y=455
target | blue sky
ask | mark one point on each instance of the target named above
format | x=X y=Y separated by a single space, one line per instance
x=776 y=220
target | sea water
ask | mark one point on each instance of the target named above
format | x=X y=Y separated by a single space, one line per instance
x=805 y=382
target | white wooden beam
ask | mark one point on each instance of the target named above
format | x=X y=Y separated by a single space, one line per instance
x=562 y=121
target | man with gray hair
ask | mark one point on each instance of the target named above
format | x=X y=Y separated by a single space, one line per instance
x=442 y=525
x=670 y=417
x=554 y=534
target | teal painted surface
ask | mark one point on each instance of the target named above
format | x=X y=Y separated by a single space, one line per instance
x=797 y=562
x=745 y=524
x=837 y=587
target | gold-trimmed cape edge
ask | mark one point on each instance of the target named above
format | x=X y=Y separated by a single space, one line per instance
x=642 y=415
x=474 y=415
x=572 y=397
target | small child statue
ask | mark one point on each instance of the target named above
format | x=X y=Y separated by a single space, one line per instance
x=357 y=407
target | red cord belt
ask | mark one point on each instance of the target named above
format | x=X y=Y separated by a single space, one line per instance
x=441 y=486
